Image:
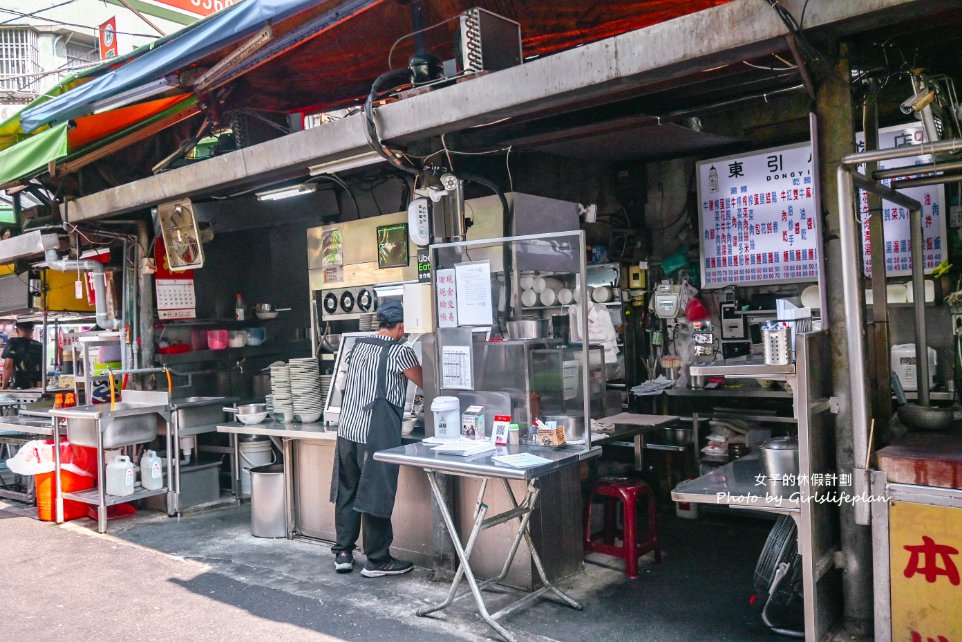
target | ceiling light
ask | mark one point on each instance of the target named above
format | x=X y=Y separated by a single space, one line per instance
x=135 y=95
x=285 y=192
x=343 y=164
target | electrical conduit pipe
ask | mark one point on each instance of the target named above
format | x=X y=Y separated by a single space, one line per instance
x=104 y=319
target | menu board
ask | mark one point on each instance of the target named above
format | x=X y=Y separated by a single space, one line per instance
x=758 y=218
x=895 y=219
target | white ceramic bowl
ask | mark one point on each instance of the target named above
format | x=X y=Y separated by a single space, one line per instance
x=529 y=298
x=308 y=417
x=255 y=418
x=548 y=297
x=601 y=294
x=565 y=296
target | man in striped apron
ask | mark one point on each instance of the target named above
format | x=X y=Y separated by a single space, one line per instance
x=363 y=490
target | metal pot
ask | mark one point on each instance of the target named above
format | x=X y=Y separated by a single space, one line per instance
x=526 y=329
x=677 y=435
x=780 y=459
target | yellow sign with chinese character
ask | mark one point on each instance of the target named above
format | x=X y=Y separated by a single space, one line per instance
x=925 y=551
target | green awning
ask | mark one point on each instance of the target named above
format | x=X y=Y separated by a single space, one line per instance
x=32 y=155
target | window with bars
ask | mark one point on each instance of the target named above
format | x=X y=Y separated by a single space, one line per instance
x=19 y=60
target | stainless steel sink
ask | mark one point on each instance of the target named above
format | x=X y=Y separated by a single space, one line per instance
x=132 y=421
x=193 y=412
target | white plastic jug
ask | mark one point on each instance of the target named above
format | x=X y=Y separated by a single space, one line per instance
x=447 y=417
x=120 y=476
x=151 y=473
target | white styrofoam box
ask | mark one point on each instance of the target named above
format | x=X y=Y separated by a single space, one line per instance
x=903 y=365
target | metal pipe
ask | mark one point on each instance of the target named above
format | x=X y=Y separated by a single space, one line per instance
x=926 y=180
x=43 y=332
x=952 y=145
x=914 y=170
x=918 y=305
x=864 y=182
x=145 y=339
x=851 y=286
x=928 y=120
x=104 y=320
x=820 y=241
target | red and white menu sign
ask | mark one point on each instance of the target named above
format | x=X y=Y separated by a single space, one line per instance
x=447 y=298
x=758 y=218
x=895 y=219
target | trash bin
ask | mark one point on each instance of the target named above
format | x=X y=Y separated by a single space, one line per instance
x=268 y=516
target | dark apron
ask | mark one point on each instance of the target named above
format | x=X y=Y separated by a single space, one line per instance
x=378 y=484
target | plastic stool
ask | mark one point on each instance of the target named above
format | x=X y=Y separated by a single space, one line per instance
x=626 y=492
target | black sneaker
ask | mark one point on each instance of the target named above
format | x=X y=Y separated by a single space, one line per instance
x=390 y=567
x=344 y=562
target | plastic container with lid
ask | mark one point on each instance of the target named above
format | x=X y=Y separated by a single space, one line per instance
x=120 y=477
x=151 y=472
x=447 y=417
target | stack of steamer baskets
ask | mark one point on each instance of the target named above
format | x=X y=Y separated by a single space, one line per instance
x=306 y=389
x=283 y=402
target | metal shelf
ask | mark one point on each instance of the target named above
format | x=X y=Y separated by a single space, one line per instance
x=92 y=496
x=196 y=356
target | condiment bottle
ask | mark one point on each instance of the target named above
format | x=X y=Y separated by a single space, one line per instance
x=239 y=311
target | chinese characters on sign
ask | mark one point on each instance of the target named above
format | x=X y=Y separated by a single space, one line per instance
x=758 y=218
x=895 y=219
x=925 y=567
x=447 y=299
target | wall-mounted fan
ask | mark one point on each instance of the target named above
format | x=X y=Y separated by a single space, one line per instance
x=181 y=237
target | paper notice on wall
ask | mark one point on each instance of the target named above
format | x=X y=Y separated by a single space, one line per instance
x=473 y=284
x=447 y=299
x=571 y=371
x=456 y=371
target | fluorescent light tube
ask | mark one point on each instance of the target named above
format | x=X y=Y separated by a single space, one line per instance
x=285 y=192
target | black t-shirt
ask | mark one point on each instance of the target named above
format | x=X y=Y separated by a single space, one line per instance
x=27 y=356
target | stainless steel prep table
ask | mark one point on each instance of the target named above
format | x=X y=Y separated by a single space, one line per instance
x=484 y=468
x=310 y=451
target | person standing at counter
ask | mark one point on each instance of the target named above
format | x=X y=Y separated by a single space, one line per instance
x=22 y=359
x=363 y=490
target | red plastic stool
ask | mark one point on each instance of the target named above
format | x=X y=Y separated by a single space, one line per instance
x=626 y=492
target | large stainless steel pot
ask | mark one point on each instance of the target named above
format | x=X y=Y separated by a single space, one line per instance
x=526 y=329
x=780 y=460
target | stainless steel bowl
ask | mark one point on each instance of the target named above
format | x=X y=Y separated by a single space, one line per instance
x=525 y=329
x=247 y=409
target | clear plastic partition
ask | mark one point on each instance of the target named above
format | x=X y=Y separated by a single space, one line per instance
x=511 y=320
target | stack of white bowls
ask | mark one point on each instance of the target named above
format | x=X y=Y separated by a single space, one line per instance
x=281 y=392
x=367 y=322
x=306 y=389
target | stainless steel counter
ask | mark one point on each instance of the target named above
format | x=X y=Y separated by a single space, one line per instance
x=28 y=425
x=422 y=456
x=744 y=367
x=281 y=431
x=735 y=484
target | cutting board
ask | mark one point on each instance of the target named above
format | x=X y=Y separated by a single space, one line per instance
x=925 y=459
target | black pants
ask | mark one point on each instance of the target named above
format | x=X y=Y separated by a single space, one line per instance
x=378 y=533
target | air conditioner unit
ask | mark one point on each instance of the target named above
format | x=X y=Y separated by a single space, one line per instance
x=487 y=42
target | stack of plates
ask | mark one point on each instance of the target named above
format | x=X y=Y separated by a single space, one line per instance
x=306 y=389
x=283 y=400
x=326 y=385
x=367 y=322
x=269 y=402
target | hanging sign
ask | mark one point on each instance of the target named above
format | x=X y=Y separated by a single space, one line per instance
x=757 y=215
x=895 y=219
x=108 y=39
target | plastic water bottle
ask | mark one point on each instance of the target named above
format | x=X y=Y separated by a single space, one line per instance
x=120 y=477
x=151 y=473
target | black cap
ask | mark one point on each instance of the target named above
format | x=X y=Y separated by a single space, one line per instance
x=390 y=313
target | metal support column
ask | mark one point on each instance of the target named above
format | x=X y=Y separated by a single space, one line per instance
x=836 y=139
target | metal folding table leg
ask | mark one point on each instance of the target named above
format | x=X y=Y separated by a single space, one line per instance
x=465 y=568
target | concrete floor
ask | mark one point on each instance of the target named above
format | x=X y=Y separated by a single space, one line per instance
x=205 y=577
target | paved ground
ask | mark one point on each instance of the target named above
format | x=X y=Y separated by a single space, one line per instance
x=204 y=577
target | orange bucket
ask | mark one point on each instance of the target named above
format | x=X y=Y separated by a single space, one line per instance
x=46 y=492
